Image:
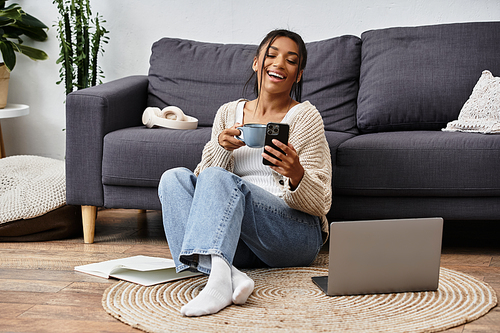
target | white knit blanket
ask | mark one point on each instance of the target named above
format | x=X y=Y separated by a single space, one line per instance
x=481 y=112
x=30 y=186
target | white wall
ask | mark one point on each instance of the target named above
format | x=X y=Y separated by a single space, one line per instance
x=135 y=24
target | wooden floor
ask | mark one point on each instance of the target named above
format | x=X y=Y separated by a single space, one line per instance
x=39 y=291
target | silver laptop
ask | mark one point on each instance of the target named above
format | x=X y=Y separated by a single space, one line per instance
x=383 y=256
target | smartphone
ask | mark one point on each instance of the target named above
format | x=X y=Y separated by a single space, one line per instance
x=277 y=131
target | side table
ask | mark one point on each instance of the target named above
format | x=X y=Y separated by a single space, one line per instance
x=11 y=111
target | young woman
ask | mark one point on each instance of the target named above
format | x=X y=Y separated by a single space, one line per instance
x=233 y=211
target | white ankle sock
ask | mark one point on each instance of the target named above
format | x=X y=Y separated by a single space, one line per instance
x=216 y=295
x=242 y=286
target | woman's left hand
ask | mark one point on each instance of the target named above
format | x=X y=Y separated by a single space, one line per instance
x=289 y=166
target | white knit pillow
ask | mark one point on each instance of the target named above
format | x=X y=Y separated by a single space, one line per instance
x=30 y=186
x=481 y=112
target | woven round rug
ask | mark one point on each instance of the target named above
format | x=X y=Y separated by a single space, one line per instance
x=287 y=300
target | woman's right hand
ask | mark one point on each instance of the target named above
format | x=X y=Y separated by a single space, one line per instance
x=227 y=138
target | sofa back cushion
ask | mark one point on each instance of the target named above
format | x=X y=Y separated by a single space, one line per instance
x=331 y=81
x=418 y=78
x=199 y=77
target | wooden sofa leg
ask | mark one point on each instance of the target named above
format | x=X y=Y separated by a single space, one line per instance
x=89 y=214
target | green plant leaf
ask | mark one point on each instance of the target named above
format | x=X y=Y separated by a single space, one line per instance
x=14 y=23
x=31 y=52
x=34 y=33
x=4 y=21
x=12 y=6
x=12 y=32
x=32 y=21
x=9 y=57
x=11 y=12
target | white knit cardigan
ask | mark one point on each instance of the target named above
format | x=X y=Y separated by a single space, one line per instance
x=307 y=135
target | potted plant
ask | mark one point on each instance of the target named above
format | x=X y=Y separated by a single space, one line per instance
x=81 y=41
x=14 y=23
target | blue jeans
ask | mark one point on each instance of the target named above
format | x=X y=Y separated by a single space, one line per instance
x=220 y=213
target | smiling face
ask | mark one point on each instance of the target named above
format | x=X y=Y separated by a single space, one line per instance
x=278 y=70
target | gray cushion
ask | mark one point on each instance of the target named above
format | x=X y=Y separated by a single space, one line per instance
x=419 y=163
x=331 y=81
x=199 y=77
x=418 y=78
x=138 y=156
x=334 y=140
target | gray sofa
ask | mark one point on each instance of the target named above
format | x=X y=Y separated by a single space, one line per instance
x=384 y=99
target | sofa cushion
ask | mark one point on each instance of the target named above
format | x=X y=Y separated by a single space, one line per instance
x=138 y=156
x=331 y=81
x=199 y=77
x=30 y=186
x=419 y=163
x=418 y=78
